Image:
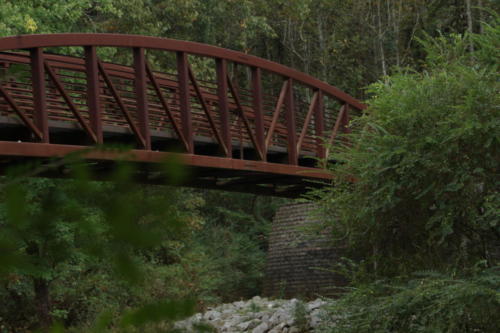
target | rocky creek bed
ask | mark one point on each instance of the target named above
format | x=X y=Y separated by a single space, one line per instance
x=260 y=315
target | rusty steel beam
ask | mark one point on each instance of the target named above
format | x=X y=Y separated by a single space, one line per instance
x=291 y=124
x=39 y=98
x=93 y=92
x=46 y=150
x=319 y=126
x=221 y=69
x=184 y=96
x=140 y=88
x=257 y=101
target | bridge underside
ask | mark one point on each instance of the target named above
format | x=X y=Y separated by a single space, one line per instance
x=207 y=168
x=152 y=167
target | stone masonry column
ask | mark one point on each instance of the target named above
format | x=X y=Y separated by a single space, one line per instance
x=299 y=265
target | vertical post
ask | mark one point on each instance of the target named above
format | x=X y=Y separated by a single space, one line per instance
x=93 y=89
x=4 y=66
x=183 y=76
x=290 y=125
x=258 y=110
x=141 y=95
x=221 y=65
x=319 y=126
x=39 y=98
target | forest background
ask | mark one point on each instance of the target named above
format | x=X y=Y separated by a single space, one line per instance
x=219 y=252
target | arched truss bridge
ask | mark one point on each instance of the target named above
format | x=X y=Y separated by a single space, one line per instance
x=238 y=122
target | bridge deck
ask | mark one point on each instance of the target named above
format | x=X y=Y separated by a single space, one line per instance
x=240 y=122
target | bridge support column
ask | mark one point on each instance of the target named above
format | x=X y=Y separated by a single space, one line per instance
x=298 y=264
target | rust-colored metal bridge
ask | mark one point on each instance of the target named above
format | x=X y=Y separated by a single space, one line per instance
x=238 y=121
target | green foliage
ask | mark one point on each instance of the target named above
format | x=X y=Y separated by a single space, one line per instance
x=345 y=42
x=429 y=303
x=425 y=161
x=92 y=252
x=47 y=16
x=158 y=312
x=237 y=228
x=221 y=258
x=300 y=316
x=238 y=259
x=74 y=248
x=254 y=307
x=105 y=249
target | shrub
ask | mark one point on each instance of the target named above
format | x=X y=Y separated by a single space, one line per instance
x=425 y=158
x=430 y=303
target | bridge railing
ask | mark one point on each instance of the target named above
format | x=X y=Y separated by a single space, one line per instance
x=206 y=99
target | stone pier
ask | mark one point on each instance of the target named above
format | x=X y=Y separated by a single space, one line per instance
x=299 y=265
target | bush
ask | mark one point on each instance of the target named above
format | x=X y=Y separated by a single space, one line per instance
x=425 y=158
x=431 y=303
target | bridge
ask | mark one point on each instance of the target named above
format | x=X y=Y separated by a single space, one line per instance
x=238 y=122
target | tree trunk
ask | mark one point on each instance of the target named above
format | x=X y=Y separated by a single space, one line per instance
x=481 y=16
x=469 y=23
x=380 y=40
x=42 y=302
x=41 y=290
x=322 y=48
x=397 y=10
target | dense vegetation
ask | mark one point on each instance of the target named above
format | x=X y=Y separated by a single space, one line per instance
x=421 y=222
x=348 y=43
x=74 y=249
x=425 y=158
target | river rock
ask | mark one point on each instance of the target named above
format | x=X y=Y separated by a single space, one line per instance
x=211 y=315
x=258 y=315
x=262 y=328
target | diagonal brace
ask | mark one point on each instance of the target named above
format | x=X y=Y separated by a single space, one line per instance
x=164 y=103
x=122 y=106
x=239 y=106
x=277 y=109
x=340 y=119
x=70 y=103
x=27 y=121
x=204 y=104
x=312 y=107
